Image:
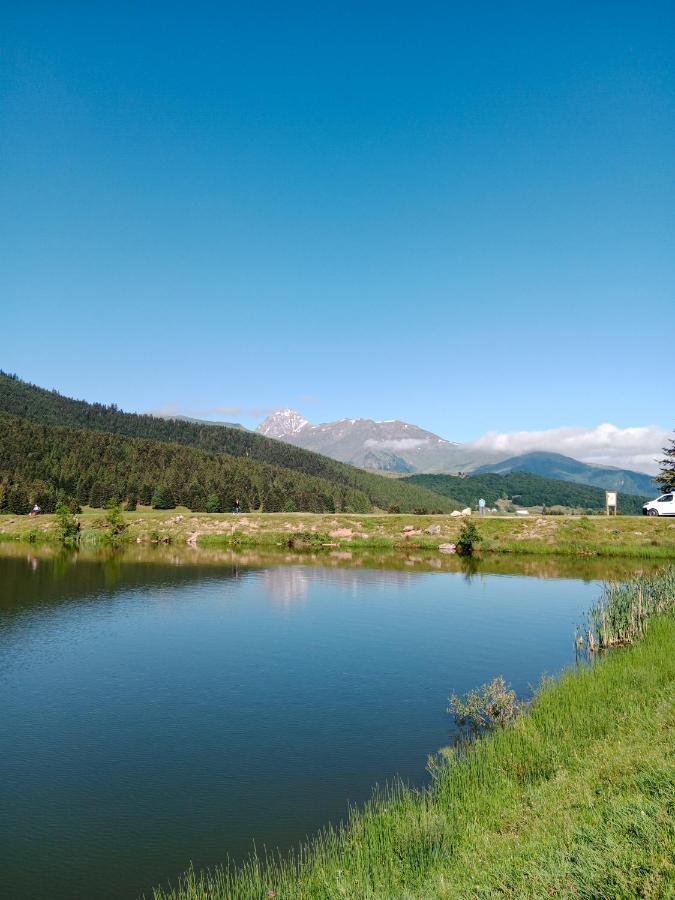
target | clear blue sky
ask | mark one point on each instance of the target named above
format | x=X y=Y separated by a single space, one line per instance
x=460 y=215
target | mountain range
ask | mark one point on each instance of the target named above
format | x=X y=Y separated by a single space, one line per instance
x=404 y=449
x=390 y=446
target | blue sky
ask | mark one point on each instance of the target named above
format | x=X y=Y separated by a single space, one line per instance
x=460 y=215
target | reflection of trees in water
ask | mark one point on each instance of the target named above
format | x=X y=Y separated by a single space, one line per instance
x=470 y=566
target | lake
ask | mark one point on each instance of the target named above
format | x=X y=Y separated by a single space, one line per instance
x=163 y=711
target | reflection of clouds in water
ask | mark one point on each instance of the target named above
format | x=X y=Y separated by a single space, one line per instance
x=286 y=585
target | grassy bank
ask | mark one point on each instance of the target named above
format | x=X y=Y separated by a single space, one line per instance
x=596 y=536
x=573 y=800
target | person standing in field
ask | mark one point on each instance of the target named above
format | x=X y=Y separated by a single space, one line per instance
x=481 y=506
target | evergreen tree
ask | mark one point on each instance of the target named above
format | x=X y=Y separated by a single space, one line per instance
x=213 y=504
x=97 y=495
x=666 y=477
x=163 y=498
x=17 y=501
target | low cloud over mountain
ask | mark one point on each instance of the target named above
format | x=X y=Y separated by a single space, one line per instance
x=606 y=445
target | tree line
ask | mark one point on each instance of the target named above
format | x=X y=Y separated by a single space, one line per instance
x=47 y=465
x=524 y=489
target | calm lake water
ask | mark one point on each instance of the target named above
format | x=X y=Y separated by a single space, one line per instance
x=156 y=714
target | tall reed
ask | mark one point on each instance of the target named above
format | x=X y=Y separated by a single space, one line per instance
x=620 y=614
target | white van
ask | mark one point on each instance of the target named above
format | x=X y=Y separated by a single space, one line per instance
x=662 y=506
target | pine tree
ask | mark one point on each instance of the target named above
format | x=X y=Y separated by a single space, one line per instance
x=97 y=495
x=17 y=500
x=213 y=504
x=163 y=498
x=666 y=477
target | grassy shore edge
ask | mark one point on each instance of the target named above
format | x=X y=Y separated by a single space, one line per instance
x=630 y=537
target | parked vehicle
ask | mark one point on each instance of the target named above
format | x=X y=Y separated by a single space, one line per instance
x=662 y=506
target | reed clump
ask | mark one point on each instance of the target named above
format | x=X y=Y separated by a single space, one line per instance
x=624 y=608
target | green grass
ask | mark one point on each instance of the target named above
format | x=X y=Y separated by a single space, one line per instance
x=573 y=800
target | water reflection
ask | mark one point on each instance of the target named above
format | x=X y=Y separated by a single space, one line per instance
x=168 y=705
x=285 y=586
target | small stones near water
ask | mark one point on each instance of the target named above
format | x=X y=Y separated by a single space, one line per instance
x=448 y=548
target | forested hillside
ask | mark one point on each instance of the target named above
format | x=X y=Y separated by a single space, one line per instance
x=40 y=463
x=524 y=490
x=359 y=490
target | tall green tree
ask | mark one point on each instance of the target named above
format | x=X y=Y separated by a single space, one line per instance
x=666 y=477
x=163 y=498
x=17 y=500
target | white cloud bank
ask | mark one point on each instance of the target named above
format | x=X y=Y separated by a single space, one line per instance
x=604 y=445
x=395 y=444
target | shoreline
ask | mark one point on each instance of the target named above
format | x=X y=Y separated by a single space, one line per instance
x=637 y=537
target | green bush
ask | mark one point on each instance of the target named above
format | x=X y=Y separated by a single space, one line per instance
x=68 y=528
x=112 y=525
x=469 y=536
x=493 y=705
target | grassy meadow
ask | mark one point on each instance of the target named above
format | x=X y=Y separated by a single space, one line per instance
x=574 y=799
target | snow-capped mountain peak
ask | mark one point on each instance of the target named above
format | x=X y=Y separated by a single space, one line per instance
x=390 y=445
x=282 y=423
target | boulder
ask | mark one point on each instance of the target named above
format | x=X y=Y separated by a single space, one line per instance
x=433 y=529
x=467 y=511
x=448 y=548
x=455 y=513
x=408 y=528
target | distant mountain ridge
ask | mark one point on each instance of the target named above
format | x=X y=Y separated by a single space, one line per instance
x=565 y=468
x=405 y=449
x=390 y=445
